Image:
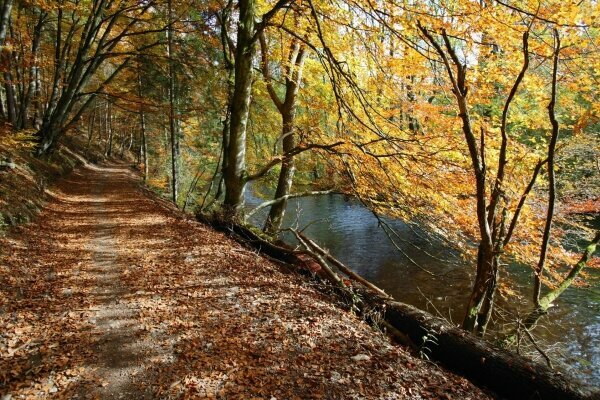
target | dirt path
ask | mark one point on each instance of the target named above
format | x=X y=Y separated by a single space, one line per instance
x=110 y=294
x=122 y=348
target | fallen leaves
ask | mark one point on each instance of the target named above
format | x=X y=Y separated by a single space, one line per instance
x=118 y=294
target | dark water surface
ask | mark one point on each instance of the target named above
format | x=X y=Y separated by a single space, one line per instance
x=352 y=234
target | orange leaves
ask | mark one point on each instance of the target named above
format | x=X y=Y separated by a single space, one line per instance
x=165 y=307
x=589 y=117
x=586 y=206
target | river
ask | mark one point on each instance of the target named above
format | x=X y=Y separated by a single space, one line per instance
x=571 y=332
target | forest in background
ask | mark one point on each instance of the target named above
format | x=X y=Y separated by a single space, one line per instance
x=477 y=120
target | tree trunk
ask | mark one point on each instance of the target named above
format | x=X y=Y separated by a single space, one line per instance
x=109 y=142
x=286 y=175
x=143 y=151
x=539 y=272
x=143 y=143
x=23 y=118
x=413 y=123
x=38 y=111
x=9 y=89
x=5 y=20
x=172 y=113
x=9 y=109
x=225 y=132
x=4 y=24
x=228 y=57
x=477 y=316
x=235 y=174
x=91 y=124
x=287 y=109
x=506 y=373
x=123 y=145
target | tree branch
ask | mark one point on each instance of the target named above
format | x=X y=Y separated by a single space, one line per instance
x=297 y=150
x=515 y=218
x=265 y=72
x=287 y=197
x=551 y=178
x=502 y=157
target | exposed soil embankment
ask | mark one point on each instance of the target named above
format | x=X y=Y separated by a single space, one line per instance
x=110 y=293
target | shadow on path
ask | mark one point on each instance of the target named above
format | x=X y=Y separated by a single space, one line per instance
x=112 y=294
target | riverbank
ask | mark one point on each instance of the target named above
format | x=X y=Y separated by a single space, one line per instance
x=442 y=281
x=112 y=292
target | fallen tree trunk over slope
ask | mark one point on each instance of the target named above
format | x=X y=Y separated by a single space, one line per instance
x=508 y=374
x=280 y=251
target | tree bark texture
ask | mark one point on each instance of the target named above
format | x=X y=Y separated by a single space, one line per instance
x=287 y=109
x=235 y=174
x=174 y=134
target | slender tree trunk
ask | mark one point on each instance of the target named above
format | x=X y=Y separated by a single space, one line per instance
x=225 y=132
x=2 y=103
x=143 y=142
x=144 y=145
x=38 y=111
x=90 y=131
x=33 y=73
x=4 y=20
x=413 y=123
x=9 y=87
x=109 y=128
x=5 y=12
x=228 y=57
x=123 y=145
x=477 y=316
x=287 y=109
x=138 y=154
x=172 y=113
x=478 y=313
x=539 y=272
x=478 y=310
x=286 y=175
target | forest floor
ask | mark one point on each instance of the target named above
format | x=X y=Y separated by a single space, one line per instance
x=110 y=293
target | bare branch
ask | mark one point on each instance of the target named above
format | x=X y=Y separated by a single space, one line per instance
x=287 y=197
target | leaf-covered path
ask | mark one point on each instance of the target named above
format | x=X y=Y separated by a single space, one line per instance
x=112 y=294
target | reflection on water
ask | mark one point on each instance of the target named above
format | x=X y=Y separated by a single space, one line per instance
x=352 y=234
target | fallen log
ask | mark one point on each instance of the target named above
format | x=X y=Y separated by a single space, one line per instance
x=280 y=251
x=508 y=374
x=341 y=266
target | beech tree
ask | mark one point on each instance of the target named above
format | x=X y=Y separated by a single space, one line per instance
x=248 y=31
x=292 y=76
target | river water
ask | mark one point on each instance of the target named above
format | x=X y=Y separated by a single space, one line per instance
x=571 y=332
